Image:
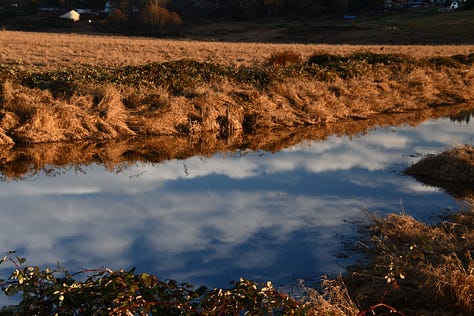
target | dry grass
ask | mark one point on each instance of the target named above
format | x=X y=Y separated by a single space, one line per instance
x=456 y=164
x=49 y=51
x=334 y=299
x=417 y=268
x=22 y=161
x=107 y=112
x=451 y=170
x=223 y=104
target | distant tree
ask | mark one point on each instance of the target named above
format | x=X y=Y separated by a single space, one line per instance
x=272 y=7
x=117 y=16
x=248 y=9
x=155 y=19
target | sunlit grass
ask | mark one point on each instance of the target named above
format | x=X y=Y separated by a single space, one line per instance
x=48 y=51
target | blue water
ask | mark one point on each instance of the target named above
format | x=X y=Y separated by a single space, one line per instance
x=257 y=215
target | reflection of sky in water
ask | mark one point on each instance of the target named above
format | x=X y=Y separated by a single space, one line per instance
x=258 y=215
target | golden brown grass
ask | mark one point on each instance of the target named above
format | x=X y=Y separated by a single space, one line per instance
x=451 y=170
x=334 y=299
x=49 y=51
x=417 y=268
x=456 y=164
x=223 y=105
x=108 y=112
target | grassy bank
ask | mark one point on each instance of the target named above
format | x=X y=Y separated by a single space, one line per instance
x=187 y=97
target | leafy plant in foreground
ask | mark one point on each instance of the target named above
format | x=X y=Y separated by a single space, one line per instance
x=107 y=292
x=104 y=292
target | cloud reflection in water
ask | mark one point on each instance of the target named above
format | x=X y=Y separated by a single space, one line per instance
x=211 y=220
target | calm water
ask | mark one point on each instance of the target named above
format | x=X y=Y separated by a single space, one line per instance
x=259 y=215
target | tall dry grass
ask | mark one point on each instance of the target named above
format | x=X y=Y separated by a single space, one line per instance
x=223 y=105
x=418 y=268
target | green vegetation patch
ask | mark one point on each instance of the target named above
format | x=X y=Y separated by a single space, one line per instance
x=182 y=76
x=106 y=292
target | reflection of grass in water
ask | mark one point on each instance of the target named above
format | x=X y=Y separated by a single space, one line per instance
x=464 y=116
x=24 y=161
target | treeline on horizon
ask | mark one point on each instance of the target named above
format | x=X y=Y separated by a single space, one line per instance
x=230 y=9
x=167 y=16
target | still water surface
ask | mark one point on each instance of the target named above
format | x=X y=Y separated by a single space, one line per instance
x=208 y=221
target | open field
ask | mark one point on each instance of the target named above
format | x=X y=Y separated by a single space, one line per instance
x=425 y=26
x=56 y=51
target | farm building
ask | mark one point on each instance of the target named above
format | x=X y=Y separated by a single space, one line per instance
x=403 y=3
